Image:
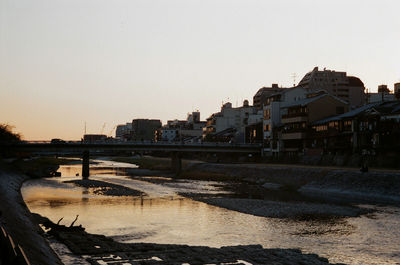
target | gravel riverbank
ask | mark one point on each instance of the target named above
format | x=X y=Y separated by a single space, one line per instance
x=328 y=183
x=105 y=188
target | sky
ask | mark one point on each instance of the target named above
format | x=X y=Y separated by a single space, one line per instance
x=64 y=63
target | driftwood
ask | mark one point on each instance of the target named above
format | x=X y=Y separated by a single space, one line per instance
x=76 y=218
x=60 y=220
x=48 y=224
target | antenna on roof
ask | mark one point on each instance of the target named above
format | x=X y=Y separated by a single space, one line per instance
x=294 y=79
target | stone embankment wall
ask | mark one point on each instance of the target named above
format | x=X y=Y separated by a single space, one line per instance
x=16 y=218
x=374 y=186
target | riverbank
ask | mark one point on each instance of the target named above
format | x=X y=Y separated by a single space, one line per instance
x=99 y=249
x=17 y=219
x=328 y=183
x=288 y=191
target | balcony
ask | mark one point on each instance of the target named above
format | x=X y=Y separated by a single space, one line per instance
x=295 y=117
x=293 y=135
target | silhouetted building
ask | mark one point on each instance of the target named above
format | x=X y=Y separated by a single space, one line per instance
x=375 y=126
x=144 y=129
x=94 y=138
x=383 y=94
x=348 y=88
x=299 y=115
x=397 y=91
x=263 y=93
x=124 y=131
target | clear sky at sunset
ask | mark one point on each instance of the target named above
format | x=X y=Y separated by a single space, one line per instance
x=64 y=62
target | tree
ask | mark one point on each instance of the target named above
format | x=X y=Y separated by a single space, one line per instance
x=7 y=135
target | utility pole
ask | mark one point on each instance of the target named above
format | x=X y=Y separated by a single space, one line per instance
x=294 y=79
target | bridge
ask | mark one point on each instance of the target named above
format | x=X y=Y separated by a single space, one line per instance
x=176 y=149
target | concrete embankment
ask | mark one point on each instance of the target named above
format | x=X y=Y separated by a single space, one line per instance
x=378 y=186
x=17 y=220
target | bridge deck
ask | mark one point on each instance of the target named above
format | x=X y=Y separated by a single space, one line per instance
x=134 y=146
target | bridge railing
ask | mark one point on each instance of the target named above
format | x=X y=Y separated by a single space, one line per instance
x=148 y=143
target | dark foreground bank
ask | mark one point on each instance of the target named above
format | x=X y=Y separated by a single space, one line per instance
x=17 y=220
x=103 y=250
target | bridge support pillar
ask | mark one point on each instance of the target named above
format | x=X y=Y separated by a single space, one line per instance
x=176 y=162
x=85 y=165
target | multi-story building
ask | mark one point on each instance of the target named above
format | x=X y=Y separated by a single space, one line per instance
x=229 y=124
x=397 y=91
x=94 y=138
x=189 y=130
x=263 y=93
x=375 y=126
x=144 y=129
x=123 y=131
x=272 y=115
x=297 y=116
x=348 y=88
x=383 y=94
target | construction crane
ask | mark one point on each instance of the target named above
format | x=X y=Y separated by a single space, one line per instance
x=102 y=128
x=110 y=134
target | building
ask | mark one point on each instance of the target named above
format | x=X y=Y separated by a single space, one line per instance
x=229 y=124
x=348 y=88
x=294 y=136
x=397 y=91
x=144 y=129
x=272 y=115
x=94 y=138
x=263 y=93
x=383 y=94
x=374 y=127
x=189 y=130
x=123 y=131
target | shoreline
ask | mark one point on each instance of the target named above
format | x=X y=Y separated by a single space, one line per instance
x=332 y=184
x=99 y=249
x=19 y=223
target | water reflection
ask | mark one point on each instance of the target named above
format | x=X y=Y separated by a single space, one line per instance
x=164 y=217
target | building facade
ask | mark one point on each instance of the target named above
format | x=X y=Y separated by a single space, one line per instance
x=189 y=130
x=374 y=128
x=272 y=116
x=383 y=94
x=123 y=132
x=263 y=93
x=348 y=88
x=298 y=116
x=144 y=129
x=229 y=124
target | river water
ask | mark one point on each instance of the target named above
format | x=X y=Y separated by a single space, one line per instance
x=162 y=216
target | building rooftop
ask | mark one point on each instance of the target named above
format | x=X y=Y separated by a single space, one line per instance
x=306 y=101
x=388 y=107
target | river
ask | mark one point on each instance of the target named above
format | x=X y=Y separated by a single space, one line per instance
x=162 y=216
